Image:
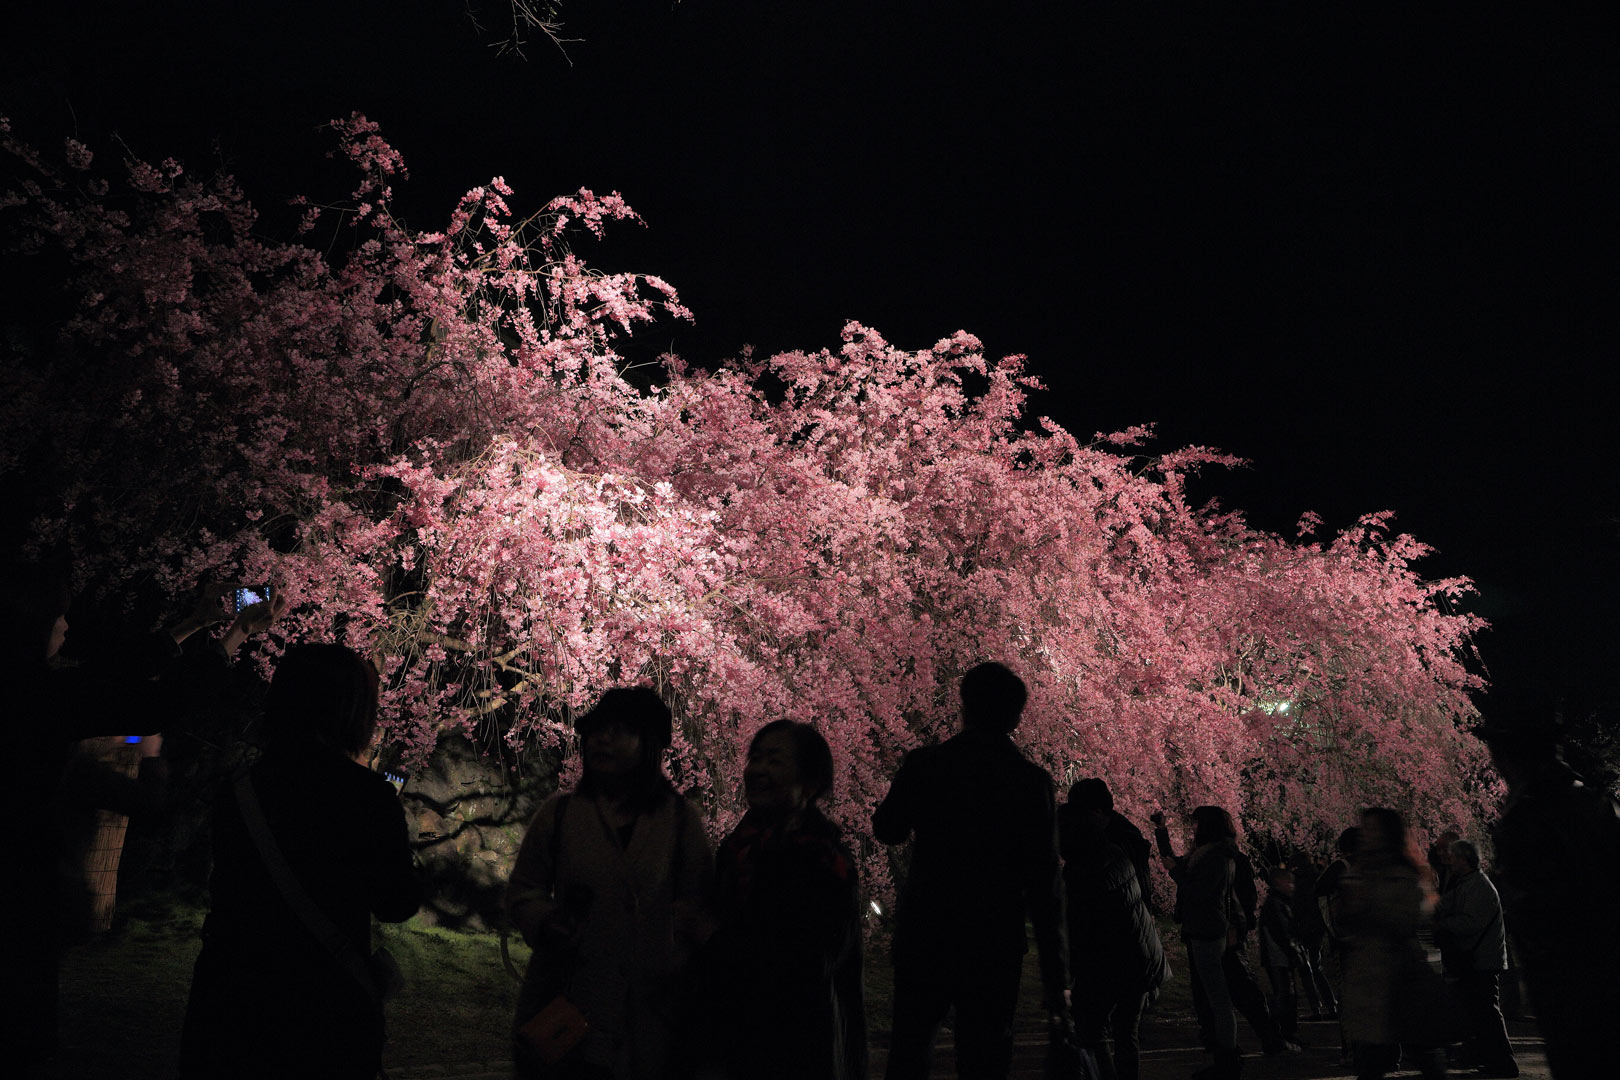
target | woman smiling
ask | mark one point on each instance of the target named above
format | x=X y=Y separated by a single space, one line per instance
x=782 y=974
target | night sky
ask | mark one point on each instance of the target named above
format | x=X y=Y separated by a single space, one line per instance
x=1363 y=245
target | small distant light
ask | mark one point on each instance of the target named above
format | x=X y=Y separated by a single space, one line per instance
x=1283 y=707
x=875 y=909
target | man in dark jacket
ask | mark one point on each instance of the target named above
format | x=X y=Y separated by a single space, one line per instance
x=1473 y=946
x=1558 y=872
x=1115 y=954
x=983 y=821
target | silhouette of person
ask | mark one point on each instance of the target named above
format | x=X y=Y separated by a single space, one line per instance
x=1115 y=955
x=1210 y=920
x=1329 y=896
x=1469 y=929
x=1093 y=791
x=982 y=818
x=1386 y=899
x=1558 y=873
x=1241 y=987
x=115 y=691
x=781 y=977
x=609 y=888
x=270 y=995
x=1439 y=858
x=1312 y=931
x=1280 y=951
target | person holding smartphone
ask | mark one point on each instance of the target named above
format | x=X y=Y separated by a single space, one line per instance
x=307 y=848
x=55 y=706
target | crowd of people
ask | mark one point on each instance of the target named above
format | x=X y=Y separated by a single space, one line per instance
x=656 y=955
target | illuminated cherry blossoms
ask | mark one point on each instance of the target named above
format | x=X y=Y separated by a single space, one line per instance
x=427 y=440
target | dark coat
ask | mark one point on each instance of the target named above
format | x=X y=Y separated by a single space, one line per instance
x=1279 y=936
x=783 y=972
x=1326 y=896
x=267 y=999
x=985 y=854
x=1238 y=906
x=1308 y=922
x=1468 y=925
x=1557 y=870
x=1112 y=938
x=1244 y=891
x=1129 y=839
x=1204 y=901
x=1381 y=909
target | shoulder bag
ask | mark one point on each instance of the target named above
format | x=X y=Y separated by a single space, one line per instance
x=379 y=975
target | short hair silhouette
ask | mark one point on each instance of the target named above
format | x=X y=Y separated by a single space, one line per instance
x=811 y=754
x=322 y=693
x=1467 y=852
x=1349 y=841
x=992 y=698
x=1091 y=794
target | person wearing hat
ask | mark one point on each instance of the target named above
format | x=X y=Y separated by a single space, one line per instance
x=610 y=888
x=1558 y=872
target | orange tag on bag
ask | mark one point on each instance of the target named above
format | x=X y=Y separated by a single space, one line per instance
x=555 y=1030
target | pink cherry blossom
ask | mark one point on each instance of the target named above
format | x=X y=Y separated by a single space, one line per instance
x=426 y=438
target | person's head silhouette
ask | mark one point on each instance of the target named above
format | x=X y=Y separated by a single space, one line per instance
x=623 y=739
x=322 y=695
x=1211 y=825
x=1091 y=794
x=992 y=698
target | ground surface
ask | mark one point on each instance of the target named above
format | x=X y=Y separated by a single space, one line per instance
x=123 y=997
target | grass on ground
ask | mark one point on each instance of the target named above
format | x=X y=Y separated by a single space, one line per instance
x=124 y=994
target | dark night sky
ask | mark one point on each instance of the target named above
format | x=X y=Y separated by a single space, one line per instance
x=1362 y=245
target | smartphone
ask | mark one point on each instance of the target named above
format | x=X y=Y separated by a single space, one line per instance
x=247 y=596
x=133 y=739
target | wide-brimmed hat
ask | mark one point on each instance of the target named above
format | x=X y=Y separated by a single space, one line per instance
x=637 y=707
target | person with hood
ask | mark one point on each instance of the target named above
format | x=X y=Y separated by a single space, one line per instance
x=1120 y=831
